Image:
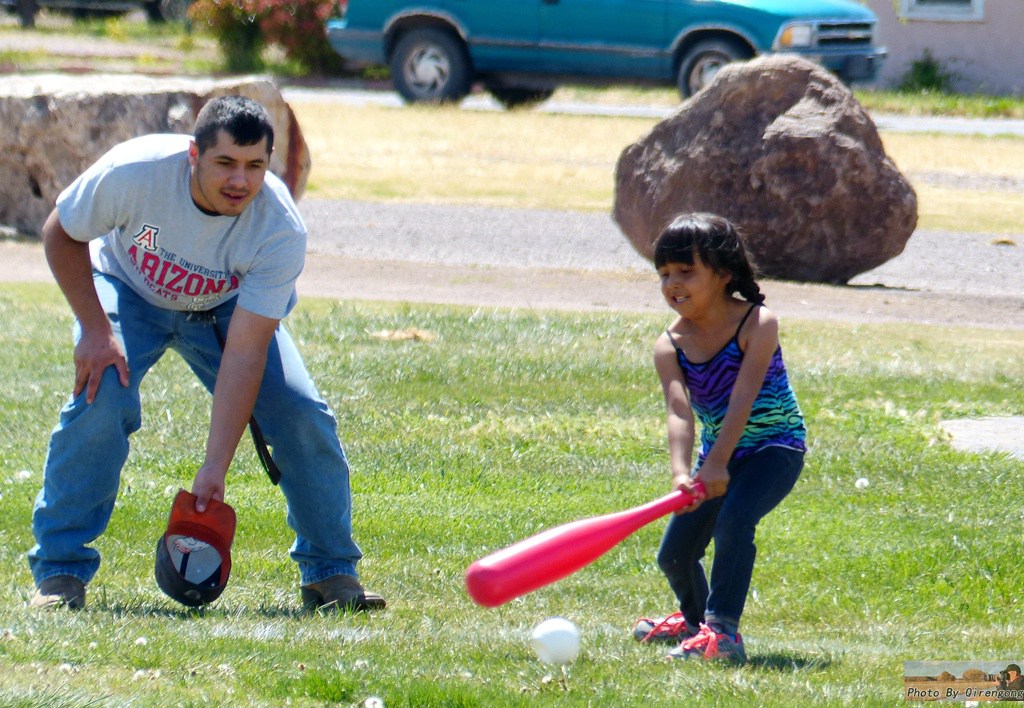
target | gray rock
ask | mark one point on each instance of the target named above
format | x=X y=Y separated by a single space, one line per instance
x=782 y=148
x=52 y=127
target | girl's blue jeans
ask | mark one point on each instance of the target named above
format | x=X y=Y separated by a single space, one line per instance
x=757 y=484
x=89 y=446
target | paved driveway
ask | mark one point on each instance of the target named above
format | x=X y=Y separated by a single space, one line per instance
x=933 y=261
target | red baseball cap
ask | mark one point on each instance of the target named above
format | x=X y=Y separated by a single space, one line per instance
x=193 y=557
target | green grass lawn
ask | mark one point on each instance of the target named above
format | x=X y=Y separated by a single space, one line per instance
x=509 y=422
x=501 y=425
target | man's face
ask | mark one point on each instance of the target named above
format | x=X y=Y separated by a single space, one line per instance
x=227 y=176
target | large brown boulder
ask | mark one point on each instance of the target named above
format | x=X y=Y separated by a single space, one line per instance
x=54 y=126
x=782 y=148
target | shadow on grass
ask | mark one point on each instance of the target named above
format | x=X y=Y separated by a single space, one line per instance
x=150 y=609
x=268 y=612
x=785 y=662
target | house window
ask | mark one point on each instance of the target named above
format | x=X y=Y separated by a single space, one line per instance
x=943 y=10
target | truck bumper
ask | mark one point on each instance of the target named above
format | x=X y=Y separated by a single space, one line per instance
x=356 y=46
x=855 y=67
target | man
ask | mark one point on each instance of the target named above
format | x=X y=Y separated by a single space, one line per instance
x=171 y=243
x=1010 y=678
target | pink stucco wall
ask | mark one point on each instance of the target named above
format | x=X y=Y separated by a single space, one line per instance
x=984 y=54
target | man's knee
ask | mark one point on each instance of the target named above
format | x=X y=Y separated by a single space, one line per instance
x=114 y=405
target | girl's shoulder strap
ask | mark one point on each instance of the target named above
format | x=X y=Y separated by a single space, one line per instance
x=672 y=341
x=743 y=321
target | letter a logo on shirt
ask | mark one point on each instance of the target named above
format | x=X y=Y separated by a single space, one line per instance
x=146 y=237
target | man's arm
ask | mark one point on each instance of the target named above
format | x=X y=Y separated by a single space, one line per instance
x=72 y=269
x=234 y=395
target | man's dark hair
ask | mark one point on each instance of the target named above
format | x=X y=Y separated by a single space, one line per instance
x=245 y=120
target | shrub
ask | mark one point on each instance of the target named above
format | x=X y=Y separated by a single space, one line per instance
x=927 y=74
x=235 y=24
x=244 y=27
x=300 y=28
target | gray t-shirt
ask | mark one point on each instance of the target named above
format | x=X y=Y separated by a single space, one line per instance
x=135 y=206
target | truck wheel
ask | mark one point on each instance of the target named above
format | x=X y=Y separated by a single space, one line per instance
x=519 y=97
x=167 y=10
x=704 y=60
x=430 y=66
x=27 y=13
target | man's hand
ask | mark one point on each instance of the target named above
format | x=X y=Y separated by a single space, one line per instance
x=93 y=354
x=208 y=484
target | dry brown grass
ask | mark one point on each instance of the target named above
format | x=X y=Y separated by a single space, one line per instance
x=537 y=160
x=448 y=155
x=954 y=177
x=959 y=154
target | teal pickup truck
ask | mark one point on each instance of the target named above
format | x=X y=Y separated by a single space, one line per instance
x=520 y=50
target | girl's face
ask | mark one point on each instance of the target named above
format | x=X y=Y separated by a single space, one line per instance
x=691 y=289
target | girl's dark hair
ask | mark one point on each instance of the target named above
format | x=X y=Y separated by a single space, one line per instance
x=245 y=120
x=718 y=244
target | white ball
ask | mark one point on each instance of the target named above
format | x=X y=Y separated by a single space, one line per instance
x=556 y=641
x=862 y=483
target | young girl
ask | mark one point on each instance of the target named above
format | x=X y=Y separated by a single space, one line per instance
x=721 y=360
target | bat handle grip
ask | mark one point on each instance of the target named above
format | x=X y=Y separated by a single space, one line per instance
x=671 y=502
x=687 y=498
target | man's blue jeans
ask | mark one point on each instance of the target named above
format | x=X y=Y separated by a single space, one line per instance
x=757 y=484
x=89 y=445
